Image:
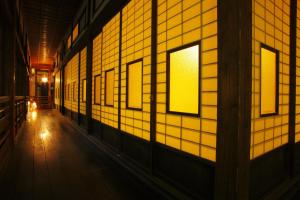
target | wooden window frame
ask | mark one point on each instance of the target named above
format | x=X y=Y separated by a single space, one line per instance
x=105 y=83
x=127 y=79
x=169 y=52
x=96 y=76
x=264 y=46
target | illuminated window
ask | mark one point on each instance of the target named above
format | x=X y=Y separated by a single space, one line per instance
x=84 y=90
x=74 y=91
x=69 y=41
x=134 y=85
x=97 y=90
x=109 y=87
x=269 y=81
x=75 y=32
x=183 y=74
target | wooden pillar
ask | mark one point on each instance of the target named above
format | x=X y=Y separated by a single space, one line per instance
x=79 y=91
x=292 y=97
x=11 y=66
x=89 y=63
x=234 y=99
x=153 y=79
x=62 y=80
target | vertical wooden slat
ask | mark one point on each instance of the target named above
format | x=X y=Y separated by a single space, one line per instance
x=79 y=91
x=153 y=79
x=292 y=97
x=89 y=63
x=234 y=99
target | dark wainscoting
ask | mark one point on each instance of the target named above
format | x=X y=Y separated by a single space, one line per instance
x=297 y=159
x=111 y=136
x=68 y=113
x=82 y=121
x=96 y=128
x=137 y=149
x=268 y=171
x=75 y=116
x=193 y=175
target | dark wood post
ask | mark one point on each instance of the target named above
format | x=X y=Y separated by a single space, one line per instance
x=153 y=79
x=234 y=99
x=292 y=98
x=89 y=63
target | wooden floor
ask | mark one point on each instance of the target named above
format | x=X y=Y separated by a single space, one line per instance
x=52 y=160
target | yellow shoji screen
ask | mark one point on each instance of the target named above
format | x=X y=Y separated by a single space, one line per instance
x=110 y=61
x=136 y=46
x=134 y=85
x=83 y=91
x=109 y=87
x=271 y=26
x=181 y=23
x=67 y=82
x=183 y=80
x=297 y=128
x=69 y=42
x=57 y=89
x=83 y=81
x=268 y=86
x=97 y=89
x=74 y=91
x=97 y=62
x=74 y=64
x=75 y=32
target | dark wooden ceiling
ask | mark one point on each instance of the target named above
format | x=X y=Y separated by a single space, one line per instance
x=46 y=22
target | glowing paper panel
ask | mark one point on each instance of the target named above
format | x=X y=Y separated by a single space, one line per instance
x=74 y=91
x=269 y=87
x=183 y=80
x=134 y=85
x=109 y=87
x=97 y=89
x=75 y=32
x=84 y=90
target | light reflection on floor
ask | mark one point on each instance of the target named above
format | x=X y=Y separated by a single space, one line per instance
x=32 y=116
x=40 y=126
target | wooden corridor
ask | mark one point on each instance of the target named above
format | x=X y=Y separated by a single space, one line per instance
x=52 y=160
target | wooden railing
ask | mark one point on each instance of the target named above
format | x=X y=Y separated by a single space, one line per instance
x=4 y=120
x=43 y=102
x=20 y=111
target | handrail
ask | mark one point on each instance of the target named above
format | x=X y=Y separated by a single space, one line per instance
x=20 y=98
x=4 y=99
x=4 y=119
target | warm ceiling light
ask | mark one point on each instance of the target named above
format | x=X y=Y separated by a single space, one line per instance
x=44 y=79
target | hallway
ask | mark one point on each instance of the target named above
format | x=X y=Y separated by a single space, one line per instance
x=51 y=160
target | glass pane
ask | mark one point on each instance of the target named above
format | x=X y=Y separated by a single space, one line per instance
x=268 y=82
x=109 y=87
x=97 y=89
x=184 y=81
x=134 y=81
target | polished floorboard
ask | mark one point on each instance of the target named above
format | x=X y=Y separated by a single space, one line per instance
x=52 y=160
